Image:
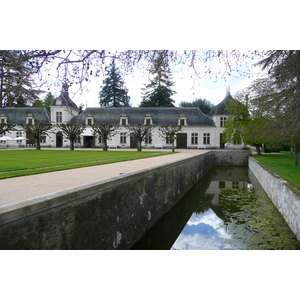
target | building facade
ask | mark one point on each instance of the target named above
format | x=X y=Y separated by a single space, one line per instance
x=198 y=130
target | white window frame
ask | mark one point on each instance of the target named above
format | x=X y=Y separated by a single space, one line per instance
x=206 y=138
x=123 y=136
x=59 y=117
x=89 y=120
x=30 y=120
x=222 y=121
x=148 y=138
x=194 y=138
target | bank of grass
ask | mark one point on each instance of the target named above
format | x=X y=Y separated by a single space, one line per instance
x=283 y=165
x=15 y=163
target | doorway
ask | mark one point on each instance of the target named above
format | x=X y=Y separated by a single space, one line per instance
x=133 y=142
x=88 y=141
x=222 y=145
x=59 y=140
x=181 y=140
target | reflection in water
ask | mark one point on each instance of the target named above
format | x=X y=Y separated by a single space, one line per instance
x=223 y=211
x=203 y=231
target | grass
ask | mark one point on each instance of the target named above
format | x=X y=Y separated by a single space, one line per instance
x=15 y=163
x=283 y=165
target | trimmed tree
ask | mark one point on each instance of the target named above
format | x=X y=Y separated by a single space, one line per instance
x=105 y=131
x=37 y=131
x=6 y=127
x=139 y=132
x=71 y=132
x=169 y=132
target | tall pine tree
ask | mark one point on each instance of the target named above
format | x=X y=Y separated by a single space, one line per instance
x=159 y=91
x=113 y=93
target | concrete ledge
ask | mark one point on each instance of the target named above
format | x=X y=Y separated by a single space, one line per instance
x=286 y=201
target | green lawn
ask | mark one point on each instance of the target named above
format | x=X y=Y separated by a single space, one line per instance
x=283 y=165
x=26 y=162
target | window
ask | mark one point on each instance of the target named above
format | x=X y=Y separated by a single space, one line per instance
x=206 y=138
x=222 y=121
x=29 y=120
x=235 y=184
x=124 y=121
x=100 y=139
x=89 y=121
x=168 y=139
x=182 y=120
x=194 y=140
x=43 y=139
x=58 y=117
x=148 y=138
x=19 y=134
x=3 y=119
x=148 y=121
x=77 y=140
x=222 y=184
x=123 y=137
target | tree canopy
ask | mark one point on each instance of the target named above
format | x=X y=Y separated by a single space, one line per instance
x=37 y=131
x=113 y=93
x=138 y=132
x=78 y=67
x=17 y=87
x=105 y=131
x=159 y=91
x=71 y=132
x=203 y=104
x=284 y=69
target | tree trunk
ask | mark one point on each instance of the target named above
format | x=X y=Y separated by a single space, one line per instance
x=72 y=145
x=139 y=145
x=37 y=144
x=173 y=146
x=104 y=144
x=258 y=149
x=296 y=154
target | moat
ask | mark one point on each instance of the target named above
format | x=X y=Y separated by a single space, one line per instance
x=225 y=210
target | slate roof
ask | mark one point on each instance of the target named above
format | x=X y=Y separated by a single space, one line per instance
x=220 y=108
x=136 y=115
x=16 y=115
x=65 y=100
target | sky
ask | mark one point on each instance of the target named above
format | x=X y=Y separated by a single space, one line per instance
x=188 y=87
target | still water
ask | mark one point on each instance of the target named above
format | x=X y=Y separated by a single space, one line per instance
x=227 y=209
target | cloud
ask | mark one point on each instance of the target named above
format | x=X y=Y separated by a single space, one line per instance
x=203 y=232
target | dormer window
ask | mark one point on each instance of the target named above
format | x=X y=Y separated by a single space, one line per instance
x=30 y=119
x=148 y=120
x=3 y=119
x=123 y=120
x=89 y=120
x=182 y=120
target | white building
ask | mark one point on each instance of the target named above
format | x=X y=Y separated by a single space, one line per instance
x=197 y=129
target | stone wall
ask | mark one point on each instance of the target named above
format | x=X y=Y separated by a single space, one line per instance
x=109 y=214
x=228 y=158
x=286 y=201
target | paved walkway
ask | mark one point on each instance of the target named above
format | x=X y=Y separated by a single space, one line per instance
x=25 y=187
